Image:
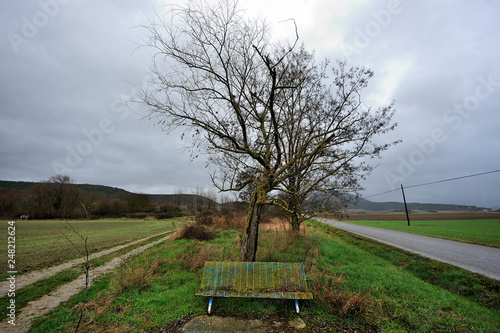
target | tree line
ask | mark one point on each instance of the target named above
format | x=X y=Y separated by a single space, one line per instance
x=60 y=197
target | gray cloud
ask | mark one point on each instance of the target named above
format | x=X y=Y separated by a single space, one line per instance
x=67 y=65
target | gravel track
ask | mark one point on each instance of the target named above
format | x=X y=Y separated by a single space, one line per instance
x=52 y=300
x=479 y=259
x=33 y=276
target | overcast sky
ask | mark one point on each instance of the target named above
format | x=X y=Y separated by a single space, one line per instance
x=66 y=67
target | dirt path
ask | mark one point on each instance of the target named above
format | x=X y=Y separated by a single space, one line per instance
x=50 y=301
x=32 y=277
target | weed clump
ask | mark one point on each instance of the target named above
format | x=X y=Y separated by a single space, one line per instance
x=138 y=274
x=336 y=299
x=205 y=218
x=195 y=231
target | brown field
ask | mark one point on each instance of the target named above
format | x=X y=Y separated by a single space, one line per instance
x=278 y=225
x=422 y=217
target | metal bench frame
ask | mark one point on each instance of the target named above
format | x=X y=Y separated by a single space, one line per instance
x=254 y=280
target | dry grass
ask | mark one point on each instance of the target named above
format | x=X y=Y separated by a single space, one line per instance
x=196 y=258
x=278 y=242
x=276 y=239
x=278 y=225
x=234 y=220
x=138 y=274
x=275 y=244
x=329 y=291
x=227 y=220
x=357 y=304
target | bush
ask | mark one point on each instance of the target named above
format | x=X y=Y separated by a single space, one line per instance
x=194 y=231
x=204 y=218
x=169 y=215
x=138 y=216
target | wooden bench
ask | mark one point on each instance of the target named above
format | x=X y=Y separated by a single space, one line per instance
x=254 y=280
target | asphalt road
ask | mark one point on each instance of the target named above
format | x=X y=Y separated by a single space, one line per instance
x=475 y=258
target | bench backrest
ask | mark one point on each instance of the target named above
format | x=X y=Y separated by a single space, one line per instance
x=254 y=279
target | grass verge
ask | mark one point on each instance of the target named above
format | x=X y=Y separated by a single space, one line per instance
x=356 y=287
x=483 y=232
x=479 y=289
x=45 y=286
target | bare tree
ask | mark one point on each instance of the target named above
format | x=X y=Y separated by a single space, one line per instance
x=178 y=198
x=84 y=251
x=264 y=117
x=64 y=194
x=327 y=134
x=199 y=199
x=214 y=75
x=41 y=206
x=245 y=194
x=56 y=197
x=211 y=200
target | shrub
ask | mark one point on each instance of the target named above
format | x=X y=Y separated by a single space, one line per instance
x=204 y=218
x=194 y=231
x=169 y=215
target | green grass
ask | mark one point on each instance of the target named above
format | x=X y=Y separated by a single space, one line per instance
x=45 y=286
x=484 y=232
x=391 y=298
x=135 y=298
x=357 y=284
x=468 y=287
x=40 y=243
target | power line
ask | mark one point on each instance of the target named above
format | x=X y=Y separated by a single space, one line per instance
x=374 y=195
x=436 y=182
x=450 y=179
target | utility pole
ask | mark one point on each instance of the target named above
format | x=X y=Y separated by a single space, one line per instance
x=406 y=207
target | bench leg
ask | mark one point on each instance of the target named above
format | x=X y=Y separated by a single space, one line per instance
x=210 y=305
x=297 y=305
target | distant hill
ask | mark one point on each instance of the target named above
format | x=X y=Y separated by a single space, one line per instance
x=391 y=206
x=109 y=192
x=12 y=185
x=363 y=205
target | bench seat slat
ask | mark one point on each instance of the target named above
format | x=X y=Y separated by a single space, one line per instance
x=250 y=279
x=280 y=295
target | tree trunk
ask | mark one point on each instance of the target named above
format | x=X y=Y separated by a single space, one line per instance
x=295 y=222
x=294 y=208
x=251 y=232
